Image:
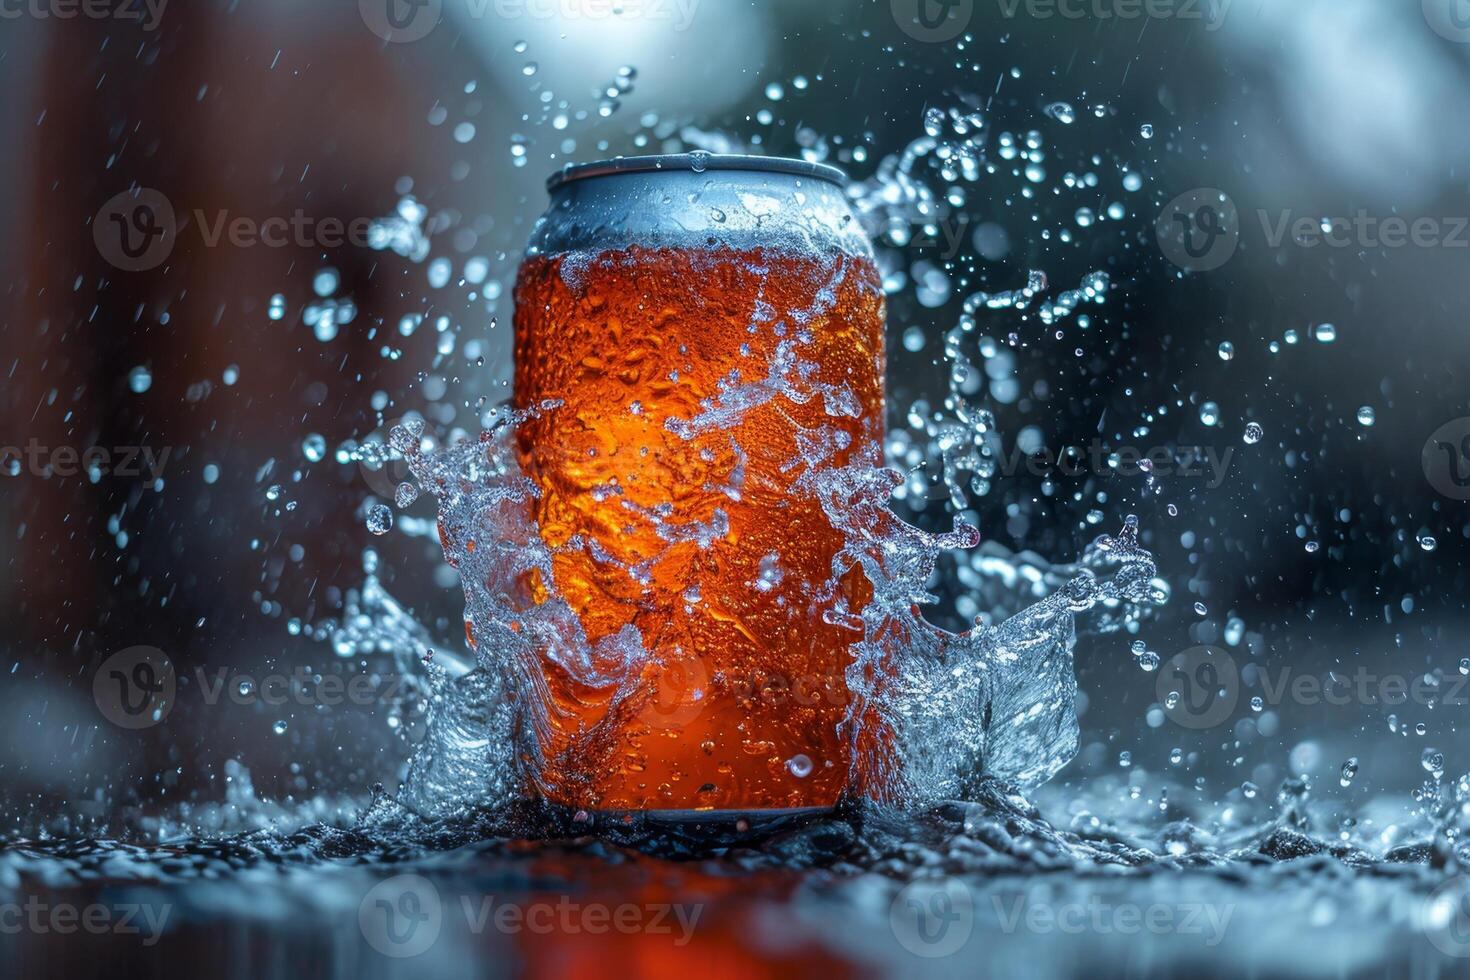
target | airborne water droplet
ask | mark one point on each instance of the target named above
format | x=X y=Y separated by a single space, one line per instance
x=325 y=282
x=314 y=448
x=1062 y=112
x=380 y=519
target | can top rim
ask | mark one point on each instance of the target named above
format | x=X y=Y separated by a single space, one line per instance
x=698 y=162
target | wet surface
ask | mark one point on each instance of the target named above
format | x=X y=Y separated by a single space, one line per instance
x=987 y=888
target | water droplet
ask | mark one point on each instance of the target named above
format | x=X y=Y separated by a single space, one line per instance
x=1062 y=112
x=1253 y=433
x=380 y=519
x=279 y=727
x=1209 y=413
x=140 y=379
x=1433 y=762
x=1366 y=415
x=1227 y=350
x=1146 y=131
x=934 y=122
x=325 y=282
x=1349 y=770
x=314 y=447
x=800 y=766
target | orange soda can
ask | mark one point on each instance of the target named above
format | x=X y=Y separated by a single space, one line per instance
x=708 y=330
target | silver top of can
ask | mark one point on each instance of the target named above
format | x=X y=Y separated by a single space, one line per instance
x=697 y=162
x=691 y=200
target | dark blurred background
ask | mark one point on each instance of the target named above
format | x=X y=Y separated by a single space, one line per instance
x=1308 y=557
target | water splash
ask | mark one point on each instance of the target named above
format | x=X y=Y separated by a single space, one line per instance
x=933 y=713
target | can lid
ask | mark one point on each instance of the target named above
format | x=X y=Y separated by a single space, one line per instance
x=699 y=161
